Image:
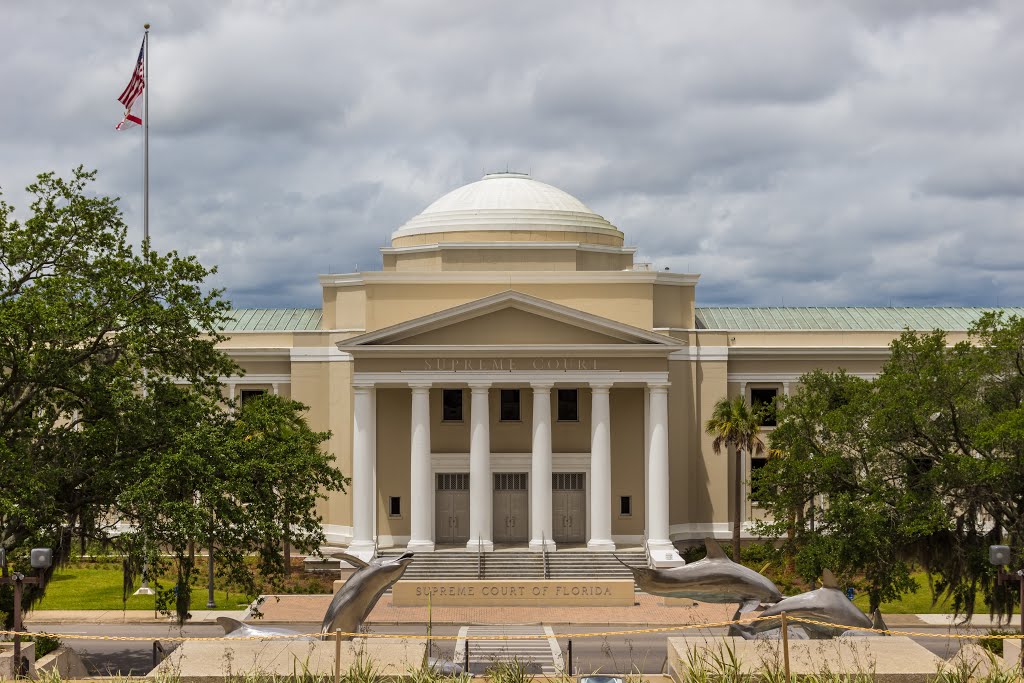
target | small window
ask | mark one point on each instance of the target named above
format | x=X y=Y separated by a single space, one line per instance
x=763 y=402
x=451 y=400
x=394 y=506
x=249 y=394
x=510 y=405
x=568 y=405
x=625 y=506
x=756 y=465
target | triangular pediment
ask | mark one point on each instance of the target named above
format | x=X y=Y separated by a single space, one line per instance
x=509 y=319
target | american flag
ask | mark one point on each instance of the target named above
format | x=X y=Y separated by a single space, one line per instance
x=131 y=93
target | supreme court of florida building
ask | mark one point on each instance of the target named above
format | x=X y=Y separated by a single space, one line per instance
x=512 y=377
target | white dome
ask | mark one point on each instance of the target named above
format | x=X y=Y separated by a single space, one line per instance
x=506 y=201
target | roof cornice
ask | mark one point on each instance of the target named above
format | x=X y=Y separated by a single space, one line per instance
x=510 y=277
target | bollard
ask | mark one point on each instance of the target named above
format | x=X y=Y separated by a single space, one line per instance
x=337 y=656
x=568 y=665
x=465 y=657
x=785 y=647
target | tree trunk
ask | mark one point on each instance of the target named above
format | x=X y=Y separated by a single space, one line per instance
x=737 y=506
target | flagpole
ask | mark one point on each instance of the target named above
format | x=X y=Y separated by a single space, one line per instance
x=145 y=146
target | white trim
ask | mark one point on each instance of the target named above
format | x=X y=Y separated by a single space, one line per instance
x=716 y=530
x=338 y=533
x=756 y=352
x=451 y=378
x=510 y=278
x=783 y=377
x=245 y=379
x=702 y=353
x=622 y=540
x=519 y=350
x=438 y=246
x=248 y=352
x=319 y=354
x=232 y=333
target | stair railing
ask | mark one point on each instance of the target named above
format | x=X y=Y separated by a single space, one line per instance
x=544 y=556
x=647 y=551
x=479 y=558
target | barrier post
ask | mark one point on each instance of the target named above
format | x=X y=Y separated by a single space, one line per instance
x=785 y=647
x=568 y=669
x=465 y=657
x=337 y=656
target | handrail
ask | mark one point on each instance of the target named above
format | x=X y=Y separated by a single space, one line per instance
x=544 y=555
x=479 y=558
x=647 y=551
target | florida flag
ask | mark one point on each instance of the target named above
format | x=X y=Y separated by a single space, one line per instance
x=131 y=93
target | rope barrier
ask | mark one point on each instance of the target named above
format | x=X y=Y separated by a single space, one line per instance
x=598 y=634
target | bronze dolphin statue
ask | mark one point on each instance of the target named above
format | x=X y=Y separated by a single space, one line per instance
x=716 y=578
x=351 y=605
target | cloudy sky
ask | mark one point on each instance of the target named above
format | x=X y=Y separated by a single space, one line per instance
x=803 y=153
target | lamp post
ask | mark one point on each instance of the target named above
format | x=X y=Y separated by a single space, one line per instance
x=999 y=555
x=40 y=559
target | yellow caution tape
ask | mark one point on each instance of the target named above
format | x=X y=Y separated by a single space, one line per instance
x=600 y=634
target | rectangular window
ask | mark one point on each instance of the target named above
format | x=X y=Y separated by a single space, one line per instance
x=568 y=405
x=509 y=405
x=625 y=506
x=763 y=402
x=394 y=506
x=451 y=400
x=247 y=395
x=756 y=464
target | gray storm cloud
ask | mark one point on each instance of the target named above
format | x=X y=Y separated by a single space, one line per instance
x=805 y=153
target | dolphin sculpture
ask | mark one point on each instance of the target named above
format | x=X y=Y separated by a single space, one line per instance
x=828 y=604
x=716 y=578
x=233 y=628
x=351 y=605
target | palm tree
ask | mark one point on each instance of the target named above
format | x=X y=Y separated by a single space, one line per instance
x=735 y=424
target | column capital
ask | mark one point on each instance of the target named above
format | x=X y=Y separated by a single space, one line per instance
x=420 y=386
x=539 y=387
x=479 y=387
x=362 y=387
x=658 y=387
x=600 y=387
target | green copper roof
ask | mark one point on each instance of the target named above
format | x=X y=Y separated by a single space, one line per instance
x=841 y=318
x=272 y=319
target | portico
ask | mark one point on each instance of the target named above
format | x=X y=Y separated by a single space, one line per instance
x=483 y=470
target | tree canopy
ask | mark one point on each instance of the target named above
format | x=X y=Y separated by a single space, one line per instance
x=922 y=467
x=113 y=429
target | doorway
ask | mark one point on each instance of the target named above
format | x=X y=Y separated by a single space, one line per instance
x=569 y=507
x=451 y=508
x=511 y=507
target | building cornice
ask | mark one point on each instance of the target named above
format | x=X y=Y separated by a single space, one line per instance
x=439 y=246
x=774 y=352
x=319 y=354
x=702 y=353
x=521 y=377
x=517 y=351
x=510 y=278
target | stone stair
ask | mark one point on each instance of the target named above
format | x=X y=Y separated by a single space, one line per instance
x=521 y=564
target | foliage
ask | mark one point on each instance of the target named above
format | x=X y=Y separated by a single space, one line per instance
x=113 y=430
x=995 y=645
x=923 y=466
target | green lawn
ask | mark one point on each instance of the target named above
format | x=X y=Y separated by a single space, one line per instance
x=100 y=588
x=918 y=602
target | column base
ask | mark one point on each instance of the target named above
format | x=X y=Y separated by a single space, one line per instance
x=601 y=545
x=663 y=554
x=420 y=546
x=364 y=550
x=484 y=546
x=538 y=545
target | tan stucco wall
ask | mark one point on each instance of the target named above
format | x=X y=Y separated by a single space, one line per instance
x=448 y=437
x=511 y=326
x=627 y=432
x=394 y=418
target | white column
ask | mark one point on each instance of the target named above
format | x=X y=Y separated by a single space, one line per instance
x=657 y=476
x=785 y=389
x=540 y=470
x=600 y=469
x=481 y=504
x=421 y=525
x=277 y=389
x=363 y=457
x=231 y=391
